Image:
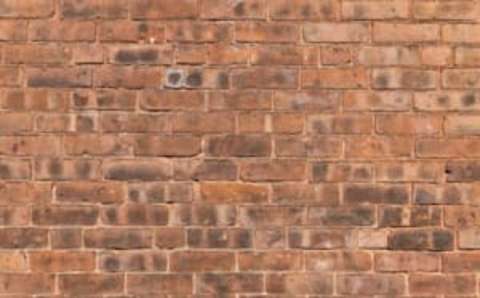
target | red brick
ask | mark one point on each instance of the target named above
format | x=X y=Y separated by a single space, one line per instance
x=338 y=261
x=65 y=31
x=201 y=261
x=26 y=283
x=233 y=192
x=82 y=9
x=407 y=262
x=405 y=33
x=118 y=238
x=176 y=284
x=74 y=284
x=62 y=261
x=27 y=8
x=371 y=10
x=343 y=78
x=133 y=261
x=166 y=100
x=243 y=9
x=336 y=32
x=300 y=283
x=450 y=284
x=12 y=30
x=304 y=10
x=127 y=77
x=210 y=283
x=274 y=170
x=265 y=78
x=371 y=284
x=169 y=9
x=265 y=32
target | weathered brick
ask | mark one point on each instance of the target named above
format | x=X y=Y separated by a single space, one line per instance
x=265 y=32
x=378 y=147
x=135 y=215
x=406 y=33
x=63 y=31
x=27 y=8
x=375 y=10
x=376 y=193
x=176 y=284
x=167 y=100
x=167 y=146
x=304 y=10
x=73 y=284
x=299 y=283
x=274 y=170
x=396 y=78
x=59 y=78
x=338 y=261
x=133 y=261
x=341 y=216
x=275 y=261
x=66 y=169
x=201 y=261
x=143 y=170
x=243 y=9
x=371 y=284
x=317 y=239
x=449 y=284
x=118 y=238
x=336 y=32
x=82 y=9
x=63 y=261
x=26 y=283
x=454 y=10
x=407 y=262
x=342 y=78
x=64 y=215
x=460 y=33
x=239 y=146
x=233 y=192
x=296 y=193
x=130 y=77
x=211 y=283
x=233 y=238
x=377 y=101
x=265 y=78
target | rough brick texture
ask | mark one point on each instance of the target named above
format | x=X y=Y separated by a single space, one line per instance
x=239 y=148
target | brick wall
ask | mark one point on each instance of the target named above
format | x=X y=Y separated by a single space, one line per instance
x=239 y=148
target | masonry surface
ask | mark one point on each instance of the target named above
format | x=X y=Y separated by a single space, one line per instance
x=239 y=148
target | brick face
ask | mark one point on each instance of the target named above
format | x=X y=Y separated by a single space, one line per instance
x=239 y=148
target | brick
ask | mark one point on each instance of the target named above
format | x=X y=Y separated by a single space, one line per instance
x=143 y=170
x=395 y=78
x=378 y=147
x=336 y=32
x=59 y=78
x=372 y=239
x=371 y=284
x=37 y=54
x=376 y=193
x=274 y=170
x=461 y=216
x=166 y=100
x=407 y=262
x=341 y=216
x=446 y=101
x=341 y=172
x=131 y=32
x=288 y=123
x=168 y=238
x=272 y=261
x=233 y=238
x=406 y=33
x=421 y=172
x=66 y=169
x=133 y=261
x=61 y=261
x=265 y=78
x=297 y=193
x=375 y=10
x=21 y=238
x=21 y=193
x=109 y=9
x=377 y=101
x=66 y=238
x=9 y=76
x=317 y=239
x=388 y=56
x=304 y=10
x=135 y=215
x=285 y=56
x=200 y=123
x=467 y=56
x=418 y=216
x=13 y=30
x=338 y=261
x=127 y=77
x=460 y=33
x=64 y=215
x=239 y=146
x=462 y=171
x=409 y=124
x=89 y=192
x=342 y=78
x=271 y=216
x=210 y=283
x=139 y=55
x=201 y=261
x=27 y=9
x=345 y=124
x=421 y=239
x=462 y=125
x=26 y=283
x=437 y=55
x=441 y=284
x=64 y=31
x=244 y=9
x=461 y=78
x=306 y=101
x=197 y=32
x=455 y=10
x=41 y=100
x=11 y=123
x=265 y=32
x=118 y=238
x=15 y=169
x=300 y=283
x=240 y=100
x=180 y=146
x=233 y=192
x=73 y=284
x=13 y=262
x=176 y=284
x=148 y=9
x=206 y=170
x=317 y=146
